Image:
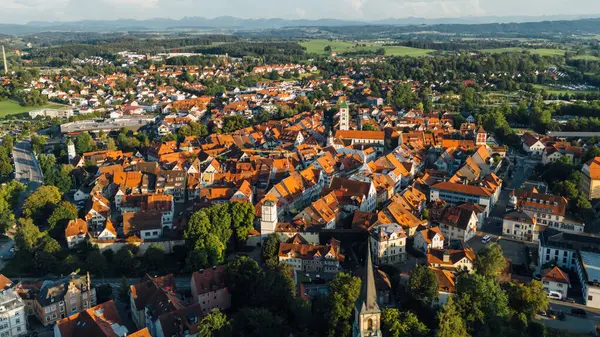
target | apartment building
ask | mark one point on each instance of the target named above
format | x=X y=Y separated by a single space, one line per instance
x=209 y=290
x=388 y=243
x=561 y=248
x=549 y=210
x=60 y=299
x=13 y=316
x=519 y=225
x=302 y=256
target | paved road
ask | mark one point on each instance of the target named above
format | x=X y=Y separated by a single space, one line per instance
x=27 y=170
x=572 y=323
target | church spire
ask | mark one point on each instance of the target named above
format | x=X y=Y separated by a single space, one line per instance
x=368 y=293
x=367 y=315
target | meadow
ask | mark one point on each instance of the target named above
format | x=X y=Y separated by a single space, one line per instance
x=10 y=107
x=318 y=47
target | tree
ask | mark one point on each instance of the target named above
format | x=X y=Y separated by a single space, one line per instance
x=154 y=257
x=60 y=217
x=368 y=127
x=214 y=324
x=9 y=196
x=344 y=290
x=490 y=260
x=37 y=143
x=84 y=142
x=244 y=279
x=450 y=321
x=242 y=219
x=8 y=142
x=125 y=260
x=483 y=304
x=27 y=235
x=44 y=262
x=327 y=48
x=124 y=290
x=48 y=245
x=406 y=324
x=258 y=322
x=110 y=144
x=41 y=203
x=96 y=263
x=528 y=298
x=423 y=284
x=270 y=250
x=104 y=293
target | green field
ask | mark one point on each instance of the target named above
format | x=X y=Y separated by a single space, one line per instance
x=10 y=107
x=541 y=51
x=318 y=47
x=587 y=57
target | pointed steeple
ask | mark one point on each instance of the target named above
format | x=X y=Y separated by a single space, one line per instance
x=367 y=302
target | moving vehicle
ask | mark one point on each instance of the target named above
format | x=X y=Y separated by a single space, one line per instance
x=551 y=314
x=486 y=239
x=578 y=312
x=561 y=316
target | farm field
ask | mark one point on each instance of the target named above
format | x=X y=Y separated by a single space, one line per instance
x=10 y=107
x=542 y=52
x=318 y=46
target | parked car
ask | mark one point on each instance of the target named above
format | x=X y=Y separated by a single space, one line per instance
x=555 y=295
x=568 y=299
x=486 y=239
x=578 y=312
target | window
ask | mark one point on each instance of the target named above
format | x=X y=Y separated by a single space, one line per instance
x=590 y=298
x=17 y=321
x=560 y=285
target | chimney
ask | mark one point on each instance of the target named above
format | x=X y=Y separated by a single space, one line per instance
x=446 y=257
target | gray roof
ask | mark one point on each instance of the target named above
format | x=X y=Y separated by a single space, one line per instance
x=367 y=301
x=591 y=263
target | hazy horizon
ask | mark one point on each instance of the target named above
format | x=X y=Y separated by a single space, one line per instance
x=24 y=11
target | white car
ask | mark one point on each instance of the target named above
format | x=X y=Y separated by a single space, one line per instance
x=555 y=295
x=486 y=239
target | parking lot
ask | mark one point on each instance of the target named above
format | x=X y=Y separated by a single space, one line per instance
x=514 y=250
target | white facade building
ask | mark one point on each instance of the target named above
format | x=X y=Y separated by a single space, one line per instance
x=388 y=244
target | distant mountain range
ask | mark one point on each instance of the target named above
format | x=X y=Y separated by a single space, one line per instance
x=229 y=23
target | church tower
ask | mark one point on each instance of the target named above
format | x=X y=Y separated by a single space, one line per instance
x=268 y=219
x=481 y=136
x=330 y=139
x=71 y=150
x=344 y=116
x=367 y=315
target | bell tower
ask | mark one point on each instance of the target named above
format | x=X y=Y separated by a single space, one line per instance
x=344 y=116
x=268 y=218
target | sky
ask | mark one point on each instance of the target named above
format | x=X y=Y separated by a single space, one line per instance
x=23 y=11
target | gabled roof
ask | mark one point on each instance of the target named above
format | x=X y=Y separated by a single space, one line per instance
x=99 y=321
x=555 y=275
x=76 y=227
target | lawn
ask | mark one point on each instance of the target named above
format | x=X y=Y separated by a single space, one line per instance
x=318 y=47
x=541 y=51
x=10 y=107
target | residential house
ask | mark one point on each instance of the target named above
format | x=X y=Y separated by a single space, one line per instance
x=458 y=223
x=430 y=238
x=519 y=225
x=100 y=320
x=532 y=144
x=76 y=232
x=451 y=259
x=388 y=243
x=549 y=210
x=209 y=289
x=311 y=258
x=554 y=279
